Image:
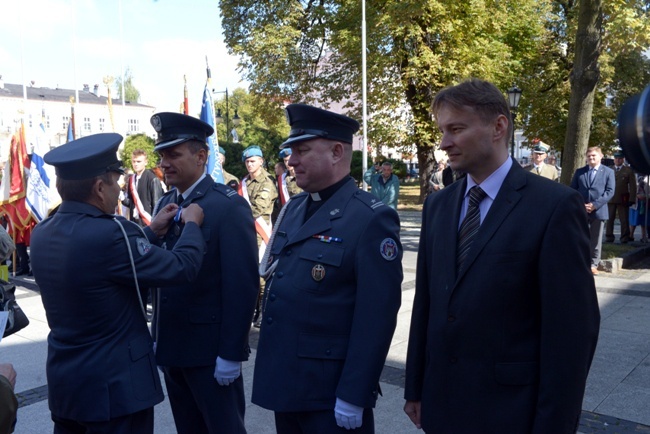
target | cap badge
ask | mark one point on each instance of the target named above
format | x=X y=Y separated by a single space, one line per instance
x=157 y=125
x=318 y=272
x=388 y=249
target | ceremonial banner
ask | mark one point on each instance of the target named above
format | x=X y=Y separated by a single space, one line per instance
x=207 y=115
x=42 y=195
x=14 y=205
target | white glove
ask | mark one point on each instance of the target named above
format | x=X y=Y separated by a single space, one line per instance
x=348 y=416
x=226 y=371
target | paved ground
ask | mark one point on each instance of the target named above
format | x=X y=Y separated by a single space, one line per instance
x=617 y=399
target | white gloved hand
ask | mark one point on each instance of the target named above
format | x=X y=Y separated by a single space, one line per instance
x=348 y=416
x=226 y=371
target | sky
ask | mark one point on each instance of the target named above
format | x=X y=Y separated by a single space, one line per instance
x=69 y=43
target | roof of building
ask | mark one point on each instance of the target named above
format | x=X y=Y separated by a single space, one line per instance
x=59 y=95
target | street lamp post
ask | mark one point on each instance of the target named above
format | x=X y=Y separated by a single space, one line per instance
x=514 y=94
x=219 y=119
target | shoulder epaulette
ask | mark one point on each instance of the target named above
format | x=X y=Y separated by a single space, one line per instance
x=224 y=189
x=368 y=199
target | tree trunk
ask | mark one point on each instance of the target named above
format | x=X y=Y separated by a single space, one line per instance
x=424 y=125
x=584 y=77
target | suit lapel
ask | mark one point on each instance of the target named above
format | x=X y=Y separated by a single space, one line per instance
x=321 y=221
x=450 y=238
x=503 y=204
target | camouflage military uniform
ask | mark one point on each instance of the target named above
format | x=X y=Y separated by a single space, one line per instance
x=292 y=186
x=262 y=194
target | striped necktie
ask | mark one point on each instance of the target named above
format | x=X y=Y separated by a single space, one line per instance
x=469 y=227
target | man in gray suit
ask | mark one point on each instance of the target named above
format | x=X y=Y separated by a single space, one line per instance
x=595 y=183
x=505 y=317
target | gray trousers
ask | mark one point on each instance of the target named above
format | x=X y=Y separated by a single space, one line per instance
x=596 y=240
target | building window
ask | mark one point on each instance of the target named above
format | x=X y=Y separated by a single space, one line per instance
x=134 y=126
x=30 y=121
x=101 y=124
x=47 y=121
x=66 y=121
x=87 y=124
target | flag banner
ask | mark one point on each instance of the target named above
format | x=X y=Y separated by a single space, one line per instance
x=42 y=196
x=13 y=182
x=19 y=219
x=207 y=115
x=70 y=133
x=14 y=206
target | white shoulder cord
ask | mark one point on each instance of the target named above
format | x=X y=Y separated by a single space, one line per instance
x=135 y=276
x=265 y=269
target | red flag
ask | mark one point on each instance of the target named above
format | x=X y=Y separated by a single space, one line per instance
x=19 y=219
x=18 y=160
x=14 y=207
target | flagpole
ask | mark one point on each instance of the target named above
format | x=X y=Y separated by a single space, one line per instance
x=22 y=57
x=122 y=58
x=74 y=62
x=186 y=102
x=364 y=150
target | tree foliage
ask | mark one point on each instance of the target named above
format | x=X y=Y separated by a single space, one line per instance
x=258 y=126
x=309 y=51
x=139 y=141
x=131 y=93
x=623 y=70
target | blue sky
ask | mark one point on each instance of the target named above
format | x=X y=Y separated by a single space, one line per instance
x=162 y=41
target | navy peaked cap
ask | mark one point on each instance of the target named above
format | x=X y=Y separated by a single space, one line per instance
x=308 y=122
x=176 y=128
x=86 y=157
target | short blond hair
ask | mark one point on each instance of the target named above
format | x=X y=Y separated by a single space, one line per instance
x=594 y=148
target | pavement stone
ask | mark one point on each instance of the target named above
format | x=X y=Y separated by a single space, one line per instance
x=617 y=399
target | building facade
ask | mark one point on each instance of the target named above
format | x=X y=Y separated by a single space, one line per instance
x=92 y=113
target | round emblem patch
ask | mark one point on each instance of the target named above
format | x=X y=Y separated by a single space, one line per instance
x=388 y=249
x=143 y=246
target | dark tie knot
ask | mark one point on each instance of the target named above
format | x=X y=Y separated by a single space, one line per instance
x=476 y=195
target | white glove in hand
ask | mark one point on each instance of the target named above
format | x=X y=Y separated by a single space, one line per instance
x=226 y=371
x=348 y=416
